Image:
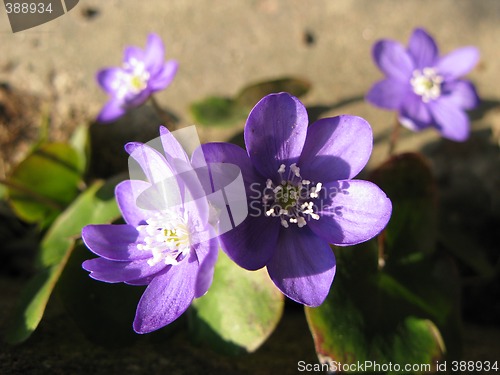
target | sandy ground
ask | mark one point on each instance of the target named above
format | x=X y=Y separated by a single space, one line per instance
x=223 y=45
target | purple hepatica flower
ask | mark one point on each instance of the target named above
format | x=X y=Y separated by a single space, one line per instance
x=424 y=88
x=142 y=74
x=167 y=242
x=301 y=196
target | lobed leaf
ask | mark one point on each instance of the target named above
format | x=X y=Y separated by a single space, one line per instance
x=221 y=111
x=217 y=111
x=80 y=141
x=250 y=95
x=239 y=312
x=95 y=205
x=104 y=312
x=408 y=181
x=44 y=183
x=394 y=299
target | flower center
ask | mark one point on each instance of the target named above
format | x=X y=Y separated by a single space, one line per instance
x=427 y=84
x=290 y=200
x=136 y=76
x=139 y=82
x=166 y=237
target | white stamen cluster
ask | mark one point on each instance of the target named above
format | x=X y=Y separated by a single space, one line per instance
x=427 y=84
x=290 y=199
x=133 y=78
x=167 y=237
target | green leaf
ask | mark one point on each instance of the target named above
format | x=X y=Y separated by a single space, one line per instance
x=250 y=95
x=95 y=205
x=466 y=227
x=469 y=252
x=372 y=316
x=3 y=191
x=220 y=111
x=217 y=111
x=240 y=310
x=32 y=302
x=408 y=181
x=80 y=141
x=104 y=312
x=44 y=183
x=394 y=298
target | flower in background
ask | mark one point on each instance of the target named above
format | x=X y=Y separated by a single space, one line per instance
x=167 y=242
x=425 y=88
x=300 y=194
x=142 y=73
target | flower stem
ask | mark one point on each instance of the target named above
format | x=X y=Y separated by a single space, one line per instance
x=394 y=137
x=167 y=119
x=381 y=250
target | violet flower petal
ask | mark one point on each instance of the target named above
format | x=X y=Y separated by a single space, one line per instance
x=458 y=62
x=462 y=93
x=181 y=166
x=142 y=73
x=252 y=243
x=154 y=54
x=232 y=154
x=303 y=266
x=185 y=180
x=275 y=132
x=452 y=122
x=136 y=100
x=114 y=242
x=126 y=193
x=393 y=60
x=132 y=54
x=173 y=149
x=198 y=212
x=351 y=212
x=140 y=282
x=112 y=110
x=167 y=296
x=388 y=93
x=411 y=124
x=423 y=49
x=336 y=148
x=164 y=77
x=116 y=272
x=151 y=162
x=137 y=253
x=238 y=243
x=417 y=111
x=207 y=253
x=110 y=79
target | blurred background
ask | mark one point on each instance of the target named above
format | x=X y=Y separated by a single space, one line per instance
x=47 y=76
